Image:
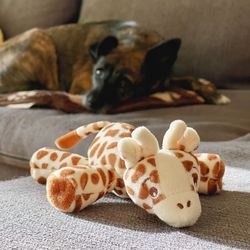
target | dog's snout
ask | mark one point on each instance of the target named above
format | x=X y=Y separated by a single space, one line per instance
x=95 y=100
x=92 y=102
x=91 y=98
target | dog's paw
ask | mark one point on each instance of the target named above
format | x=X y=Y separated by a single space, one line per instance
x=220 y=99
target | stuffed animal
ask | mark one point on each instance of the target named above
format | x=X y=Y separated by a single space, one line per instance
x=127 y=161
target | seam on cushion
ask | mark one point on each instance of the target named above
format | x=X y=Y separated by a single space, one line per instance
x=13 y=156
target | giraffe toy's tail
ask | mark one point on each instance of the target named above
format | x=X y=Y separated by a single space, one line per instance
x=72 y=138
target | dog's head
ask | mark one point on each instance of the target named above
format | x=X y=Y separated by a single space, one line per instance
x=127 y=72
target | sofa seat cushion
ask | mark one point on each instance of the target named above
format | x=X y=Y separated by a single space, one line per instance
x=24 y=131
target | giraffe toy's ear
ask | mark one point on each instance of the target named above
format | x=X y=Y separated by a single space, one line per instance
x=190 y=140
x=130 y=151
x=173 y=135
x=181 y=137
x=146 y=140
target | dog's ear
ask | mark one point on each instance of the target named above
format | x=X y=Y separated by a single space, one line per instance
x=103 y=48
x=159 y=60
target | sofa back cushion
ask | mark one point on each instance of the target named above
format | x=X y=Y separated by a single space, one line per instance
x=17 y=16
x=215 y=34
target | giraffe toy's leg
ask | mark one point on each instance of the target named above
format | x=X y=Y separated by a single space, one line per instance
x=46 y=160
x=72 y=189
x=212 y=169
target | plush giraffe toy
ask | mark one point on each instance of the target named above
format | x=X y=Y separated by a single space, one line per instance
x=128 y=162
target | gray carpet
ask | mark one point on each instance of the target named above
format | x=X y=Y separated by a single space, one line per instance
x=27 y=221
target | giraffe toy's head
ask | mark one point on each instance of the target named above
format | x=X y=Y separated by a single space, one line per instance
x=156 y=180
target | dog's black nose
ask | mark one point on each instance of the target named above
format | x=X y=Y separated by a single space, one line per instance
x=90 y=98
x=93 y=101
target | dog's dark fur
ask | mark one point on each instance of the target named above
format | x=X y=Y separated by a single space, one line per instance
x=108 y=62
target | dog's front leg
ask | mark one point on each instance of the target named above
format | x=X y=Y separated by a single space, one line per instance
x=203 y=87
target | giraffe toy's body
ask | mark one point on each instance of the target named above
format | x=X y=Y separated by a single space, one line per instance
x=127 y=161
x=47 y=160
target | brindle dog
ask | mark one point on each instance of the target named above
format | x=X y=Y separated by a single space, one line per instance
x=108 y=62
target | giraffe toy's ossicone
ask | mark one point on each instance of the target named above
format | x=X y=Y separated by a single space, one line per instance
x=129 y=163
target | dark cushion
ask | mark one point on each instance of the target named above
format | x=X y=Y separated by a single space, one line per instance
x=215 y=34
x=17 y=16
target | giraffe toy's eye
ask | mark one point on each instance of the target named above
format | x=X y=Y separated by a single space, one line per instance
x=153 y=191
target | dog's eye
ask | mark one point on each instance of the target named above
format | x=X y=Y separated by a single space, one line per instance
x=100 y=73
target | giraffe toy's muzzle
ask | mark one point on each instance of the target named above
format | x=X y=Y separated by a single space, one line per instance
x=179 y=210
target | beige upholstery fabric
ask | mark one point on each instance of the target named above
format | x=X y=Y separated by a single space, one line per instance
x=17 y=16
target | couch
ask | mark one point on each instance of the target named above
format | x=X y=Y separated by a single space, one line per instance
x=215 y=45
